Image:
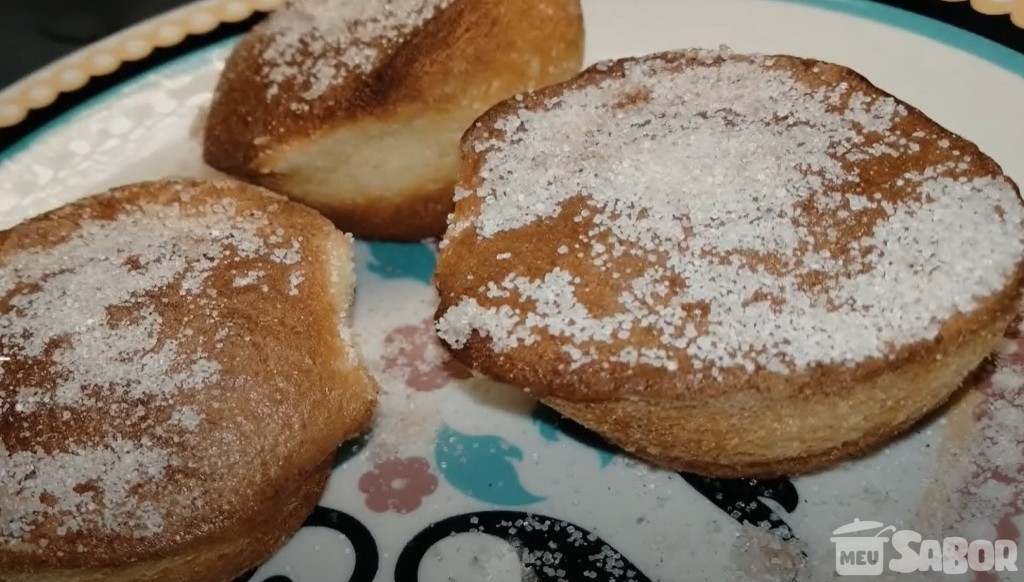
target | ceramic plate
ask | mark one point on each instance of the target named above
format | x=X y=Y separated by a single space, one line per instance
x=462 y=480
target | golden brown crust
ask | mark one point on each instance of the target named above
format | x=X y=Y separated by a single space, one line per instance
x=772 y=438
x=542 y=375
x=543 y=369
x=469 y=56
x=266 y=314
x=408 y=218
x=216 y=558
x=726 y=426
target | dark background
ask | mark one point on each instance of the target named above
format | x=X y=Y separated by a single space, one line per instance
x=35 y=32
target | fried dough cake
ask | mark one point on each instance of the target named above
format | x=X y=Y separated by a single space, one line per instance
x=356 y=107
x=176 y=375
x=735 y=265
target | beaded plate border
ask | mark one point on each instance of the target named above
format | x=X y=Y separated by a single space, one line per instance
x=71 y=73
x=135 y=43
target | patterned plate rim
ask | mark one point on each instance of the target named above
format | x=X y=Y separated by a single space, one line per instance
x=208 y=18
x=72 y=73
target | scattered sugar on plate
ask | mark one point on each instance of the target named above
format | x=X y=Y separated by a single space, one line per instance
x=760 y=555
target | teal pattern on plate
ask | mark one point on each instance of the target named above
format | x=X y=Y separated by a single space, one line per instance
x=414 y=261
x=482 y=467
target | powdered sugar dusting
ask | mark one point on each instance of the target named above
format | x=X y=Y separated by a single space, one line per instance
x=318 y=43
x=733 y=209
x=85 y=339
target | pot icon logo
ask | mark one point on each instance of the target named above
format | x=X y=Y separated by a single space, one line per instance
x=862 y=554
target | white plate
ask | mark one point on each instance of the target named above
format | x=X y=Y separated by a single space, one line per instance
x=475 y=456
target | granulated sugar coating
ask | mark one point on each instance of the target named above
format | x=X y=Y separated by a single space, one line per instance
x=318 y=43
x=702 y=212
x=114 y=329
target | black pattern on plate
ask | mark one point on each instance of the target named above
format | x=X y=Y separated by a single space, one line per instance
x=364 y=547
x=741 y=499
x=535 y=536
x=554 y=550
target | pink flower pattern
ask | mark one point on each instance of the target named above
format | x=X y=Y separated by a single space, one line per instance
x=1002 y=394
x=398 y=484
x=414 y=352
